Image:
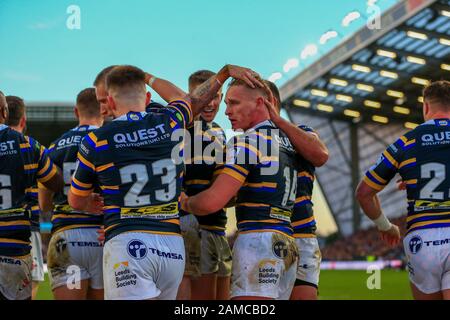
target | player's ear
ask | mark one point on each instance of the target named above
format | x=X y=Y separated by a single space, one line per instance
x=77 y=114
x=426 y=110
x=23 y=122
x=148 y=98
x=260 y=101
x=111 y=102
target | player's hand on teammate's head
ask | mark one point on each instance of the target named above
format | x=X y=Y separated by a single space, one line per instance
x=95 y=203
x=148 y=76
x=401 y=185
x=101 y=235
x=273 y=112
x=391 y=236
x=250 y=77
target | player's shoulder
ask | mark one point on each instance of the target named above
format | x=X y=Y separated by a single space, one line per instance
x=9 y=134
x=423 y=131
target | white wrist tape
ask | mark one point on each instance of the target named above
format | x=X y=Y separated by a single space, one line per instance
x=382 y=223
x=150 y=82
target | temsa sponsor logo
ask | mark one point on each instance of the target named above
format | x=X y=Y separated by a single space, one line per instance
x=169 y=255
x=437 y=242
x=139 y=135
x=10 y=261
x=8 y=145
x=85 y=244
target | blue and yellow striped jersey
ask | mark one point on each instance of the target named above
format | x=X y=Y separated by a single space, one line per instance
x=23 y=162
x=204 y=154
x=33 y=204
x=33 y=207
x=63 y=151
x=422 y=158
x=137 y=162
x=303 y=221
x=264 y=160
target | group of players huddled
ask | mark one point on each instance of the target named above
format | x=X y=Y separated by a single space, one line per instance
x=137 y=192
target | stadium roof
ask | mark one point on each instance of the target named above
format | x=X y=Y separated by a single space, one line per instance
x=366 y=93
x=378 y=75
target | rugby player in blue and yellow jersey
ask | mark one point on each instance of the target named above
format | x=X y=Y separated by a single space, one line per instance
x=23 y=162
x=74 y=241
x=135 y=163
x=208 y=254
x=422 y=158
x=17 y=120
x=312 y=153
x=261 y=169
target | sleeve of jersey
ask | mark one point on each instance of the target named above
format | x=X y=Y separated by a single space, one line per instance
x=181 y=113
x=221 y=159
x=241 y=157
x=54 y=155
x=385 y=169
x=308 y=129
x=84 y=175
x=46 y=168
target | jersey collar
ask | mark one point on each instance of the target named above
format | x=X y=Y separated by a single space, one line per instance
x=3 y=126
x=438 y=122
x=131 y=116
x=84 y=128
x=259 y=125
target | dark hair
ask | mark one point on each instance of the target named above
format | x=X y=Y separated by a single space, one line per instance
x=101 y=77
x=125 y=76
x=87 y=104
x=438 y=93
x=200 y=77
x=275 y=92
x=16 y=108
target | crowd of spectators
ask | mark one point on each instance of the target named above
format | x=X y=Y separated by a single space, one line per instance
x=364 y=244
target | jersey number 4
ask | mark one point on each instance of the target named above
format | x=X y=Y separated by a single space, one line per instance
x=138 y=175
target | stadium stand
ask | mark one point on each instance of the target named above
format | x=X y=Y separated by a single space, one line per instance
x=366 y=93
x=362 y=245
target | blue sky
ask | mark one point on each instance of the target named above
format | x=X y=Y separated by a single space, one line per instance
x=42 y=60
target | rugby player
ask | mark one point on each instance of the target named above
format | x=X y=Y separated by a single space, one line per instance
x=17 y=120
x=23 y=162
x=208 y=254
x=312 y=153
x=131 y=159
x=73 y=244
x=421 y=157
x=261 y=170
x=101 y=93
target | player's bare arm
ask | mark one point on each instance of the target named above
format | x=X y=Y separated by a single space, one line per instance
x=307 y=144
x=204 y=93
x=207 y=91
x=56 y=183
x=213 y=199
x=370 y=203
x=166 y=89
x=92 y=203
x=45 y=198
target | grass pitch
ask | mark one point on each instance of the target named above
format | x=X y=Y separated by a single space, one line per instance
x=334 y=285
